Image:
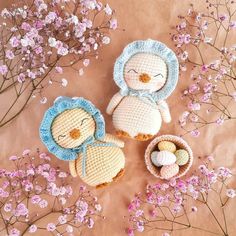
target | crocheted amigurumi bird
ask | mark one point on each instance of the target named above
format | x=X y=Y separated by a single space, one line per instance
x=73 y=129
x=147 y=73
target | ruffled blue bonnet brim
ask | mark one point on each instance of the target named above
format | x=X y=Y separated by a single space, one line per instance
x=62 y=104
x=154 y=47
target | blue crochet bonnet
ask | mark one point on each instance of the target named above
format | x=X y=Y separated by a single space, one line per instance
x=153 y=47
x=62 y=104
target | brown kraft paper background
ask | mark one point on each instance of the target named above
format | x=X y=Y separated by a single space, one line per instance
x=141 y=19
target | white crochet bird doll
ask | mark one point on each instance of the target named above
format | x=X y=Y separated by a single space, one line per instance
x=147 y=73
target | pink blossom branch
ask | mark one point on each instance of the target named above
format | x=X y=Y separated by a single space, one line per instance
x=40 y=36
x=211 y=96
x=35 y=183
x=167 y=206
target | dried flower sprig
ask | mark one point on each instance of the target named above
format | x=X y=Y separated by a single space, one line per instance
x=39 y=37
x=167 y=207
x=204 y=44
x=35 y=190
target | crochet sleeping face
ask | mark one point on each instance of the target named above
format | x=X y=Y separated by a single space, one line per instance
x=146 y=73
x=79 y=126
x=74 y=130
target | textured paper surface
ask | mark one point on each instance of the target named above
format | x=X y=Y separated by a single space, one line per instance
x=141 y=19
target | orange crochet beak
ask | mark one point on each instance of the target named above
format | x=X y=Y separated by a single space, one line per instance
x=145 y=78
x=75 y=133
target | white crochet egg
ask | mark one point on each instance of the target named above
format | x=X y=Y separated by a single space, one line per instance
x=163 y=158
x=154 y=158
x=169 y=171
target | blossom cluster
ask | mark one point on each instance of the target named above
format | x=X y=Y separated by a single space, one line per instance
x=35 y=190
x=36 y=35
x=166 y=207
x=211 y=96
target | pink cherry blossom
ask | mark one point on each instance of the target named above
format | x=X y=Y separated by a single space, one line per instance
x=89 y=4
x=59 y=69
x=165 y=234
x=25 y=26
x=3 y=69
x=106 y=40
x=113 y=24
x=98 y=207
x=50 y=17
x=194 y=106
x=82 y=208
x=14 y=232
x=14 y=41
x=62 y=174
x=231 y=193
x=31 y=74
x=62 y=200
x=9 y=54
x=220 y=121
x=86 y=62
x=130 y=232
x=33 y=229
x=43 y=100
x=26 y=152
x=52 y=42
x=7 y=207
x=193 y=88
x=139 y=213
x=62 y=219
x=43 y=203
x=232 y=24
x=35 y=199
x=206 y=97
x=21 y=210
x=13 y=158
x=210 y=158
x=69 y=229
x=223 y=17
x=21 y=78
x=195 y=133
x=63 y=51
x=234 y=96
x=224 y=172
x=90 y=223
x=108 y=10
x=51 y=227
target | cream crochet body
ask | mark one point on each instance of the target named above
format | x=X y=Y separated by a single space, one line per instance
x=102 y=163
x=136 y=116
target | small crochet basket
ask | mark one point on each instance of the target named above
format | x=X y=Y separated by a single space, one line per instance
x=180 y=143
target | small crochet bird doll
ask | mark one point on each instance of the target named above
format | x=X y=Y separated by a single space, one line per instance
x=147 y=73
x=73 y=129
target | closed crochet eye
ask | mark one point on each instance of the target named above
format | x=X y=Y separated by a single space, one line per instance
x=61 y=136
x=157 y=75
x=132 y=70
x=82 y=121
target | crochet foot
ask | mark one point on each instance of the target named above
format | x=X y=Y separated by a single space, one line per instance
x=143 y=137
x=121 y=133
x=102 y=185
x=119 y=175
